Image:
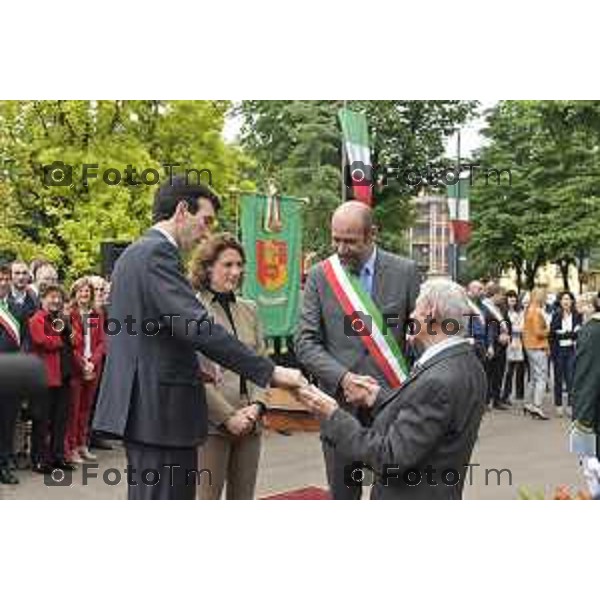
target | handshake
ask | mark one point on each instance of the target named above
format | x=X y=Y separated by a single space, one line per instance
x=359 y=390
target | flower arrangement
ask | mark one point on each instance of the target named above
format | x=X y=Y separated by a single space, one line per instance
x=561 y=492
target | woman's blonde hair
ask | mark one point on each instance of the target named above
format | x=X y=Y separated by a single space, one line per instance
x=79 y=284
x=537 y=297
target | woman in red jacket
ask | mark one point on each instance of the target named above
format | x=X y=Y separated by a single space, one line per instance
x=50 y=338
x=88 y=352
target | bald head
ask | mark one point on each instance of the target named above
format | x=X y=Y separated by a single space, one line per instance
x=352 y=233
x=353 y=214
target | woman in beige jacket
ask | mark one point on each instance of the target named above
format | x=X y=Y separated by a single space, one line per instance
x=232 y=451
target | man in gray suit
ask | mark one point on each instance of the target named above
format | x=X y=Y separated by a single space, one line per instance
x=422 y=436
x=327 y=344
x=151 y=393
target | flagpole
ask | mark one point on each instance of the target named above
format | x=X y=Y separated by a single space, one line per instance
x=344 y=188
x=457 y=216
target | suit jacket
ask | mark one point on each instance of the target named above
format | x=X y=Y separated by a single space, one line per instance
x=323 y=348
x=432 y=421
x=48 y=345
x=556 y=326
x=586 y=382
x=7 y=342
x=22 y=312
x=150 y=390
x=96 y=329
x=225 y=399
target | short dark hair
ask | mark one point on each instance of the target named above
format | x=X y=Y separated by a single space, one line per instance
x=5 y=269
x=179 y=189
x=49 y=288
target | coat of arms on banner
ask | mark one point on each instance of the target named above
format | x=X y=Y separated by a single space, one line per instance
x=271 y=263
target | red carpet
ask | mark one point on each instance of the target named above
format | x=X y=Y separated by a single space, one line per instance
x=307 y=493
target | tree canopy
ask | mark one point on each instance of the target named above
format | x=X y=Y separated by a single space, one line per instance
x=549 y=209
x=297 y=144
x=66 y=223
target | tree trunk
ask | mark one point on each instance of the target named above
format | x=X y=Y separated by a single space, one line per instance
x=519 y=270
x=564 y=271
x=530 y=273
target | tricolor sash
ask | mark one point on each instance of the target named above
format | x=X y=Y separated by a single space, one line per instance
x=353 y=298
x=10 y=324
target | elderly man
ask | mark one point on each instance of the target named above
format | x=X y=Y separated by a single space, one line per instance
x=344 y=298
x=422 y=435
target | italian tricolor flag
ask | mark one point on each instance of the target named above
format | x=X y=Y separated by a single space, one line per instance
x=357 y=305
x=359 y=172
x=9 y=323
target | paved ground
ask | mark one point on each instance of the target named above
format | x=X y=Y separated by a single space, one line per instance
x=535 y=452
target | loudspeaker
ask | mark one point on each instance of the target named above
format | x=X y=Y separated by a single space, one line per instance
x=110 y=252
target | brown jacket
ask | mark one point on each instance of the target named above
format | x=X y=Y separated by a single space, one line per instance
x=535 y=330
x=224 y=399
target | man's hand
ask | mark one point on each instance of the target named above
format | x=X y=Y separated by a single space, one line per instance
x=318 y=402
x=239 y=423
x=252 y=411
x=358 y=388
x=209 y=371
x=290 y=379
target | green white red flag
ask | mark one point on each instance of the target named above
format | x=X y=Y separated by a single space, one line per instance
x=359 y=170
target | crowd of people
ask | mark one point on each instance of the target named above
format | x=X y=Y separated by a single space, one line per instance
x=66 y=331
x=413 y=399
x=528 y=337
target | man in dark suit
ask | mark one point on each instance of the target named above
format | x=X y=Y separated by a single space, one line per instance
x=422 y=435
x=325 y=344
x=10 y=340
x=151 y=393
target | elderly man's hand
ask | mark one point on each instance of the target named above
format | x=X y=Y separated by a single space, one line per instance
x=290 y=379
x=318 y=402
x=359 y=389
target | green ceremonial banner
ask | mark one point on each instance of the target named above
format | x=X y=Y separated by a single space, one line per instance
x=272 y=240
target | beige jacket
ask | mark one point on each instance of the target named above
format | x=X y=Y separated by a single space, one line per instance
x=224 y=399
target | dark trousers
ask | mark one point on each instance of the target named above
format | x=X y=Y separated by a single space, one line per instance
x=149 y=476
x=49 y=422
x=564 y=369
x=9 y=412
x=514 y=370
x=495 y=372
x=338 y=469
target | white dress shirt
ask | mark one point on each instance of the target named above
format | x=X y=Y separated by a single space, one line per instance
x=439 y=347
x=166 y=234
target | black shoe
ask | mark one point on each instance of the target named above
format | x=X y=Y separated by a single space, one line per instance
x=501 y=406
x=65 y=466
x=43 y=468
x=8 y=477
x=100 y=444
